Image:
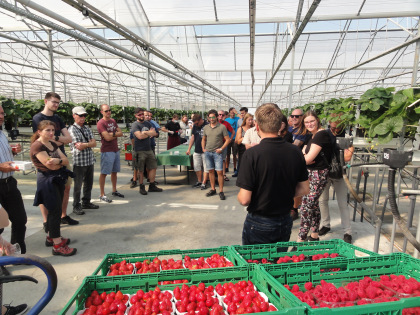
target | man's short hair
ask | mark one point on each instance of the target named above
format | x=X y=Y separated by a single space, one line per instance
x=230 y=109
x=138 y=109
x=244 y=108
x=212 y=111
x=299 y=109
x=226 y=113
x=52 y=94
x=175 y=116
x=102 y=106
x=269 y=117
x=196 y=117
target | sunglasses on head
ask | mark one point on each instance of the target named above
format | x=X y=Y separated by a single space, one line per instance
x=82 y=115
x=106 y=111
x=295 y=116
x=221 y=114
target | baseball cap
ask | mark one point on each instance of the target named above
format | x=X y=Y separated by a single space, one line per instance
x=79 y=110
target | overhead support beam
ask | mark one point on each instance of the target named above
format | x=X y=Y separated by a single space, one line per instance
x=409 y=42
x=289 y=19
x=104 y=19
x=101 y=42
x=402 y=27
x=416 y=60
x=296 y=36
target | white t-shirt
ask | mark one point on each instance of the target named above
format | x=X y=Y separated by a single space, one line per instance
x=251 y=137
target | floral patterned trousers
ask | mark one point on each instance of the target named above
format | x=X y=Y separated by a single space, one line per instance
x=310 y=214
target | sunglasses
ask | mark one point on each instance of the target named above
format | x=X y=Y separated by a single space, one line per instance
x=221 y=114
x=295 y=116
x=106 y=111
x=83 y=115
x=213 y=117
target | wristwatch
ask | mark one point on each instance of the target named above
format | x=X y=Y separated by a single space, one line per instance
x=56 y=138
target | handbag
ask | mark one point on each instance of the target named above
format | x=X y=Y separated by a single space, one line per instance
x=335 y=171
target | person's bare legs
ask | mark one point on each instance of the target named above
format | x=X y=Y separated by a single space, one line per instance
x=205 y=178
x=221 y=180
x=213 y=180
x=199 y=176
x=234 y=161
x=102 y=178
x=114 y=181
x=152 y=175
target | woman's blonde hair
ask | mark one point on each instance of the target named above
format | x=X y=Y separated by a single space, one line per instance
x=246 y=118
x=41 y=126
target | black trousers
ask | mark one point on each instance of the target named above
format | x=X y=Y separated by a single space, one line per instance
x=83 y=175
x=11 y=200
x=54 y=215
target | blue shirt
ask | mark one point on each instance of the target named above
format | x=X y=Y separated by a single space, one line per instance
x=234 y=123
x=303 y=138
x=6 y=154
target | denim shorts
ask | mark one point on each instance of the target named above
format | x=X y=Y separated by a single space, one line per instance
x=214 y=161
x=265 y=230
x=110 y=162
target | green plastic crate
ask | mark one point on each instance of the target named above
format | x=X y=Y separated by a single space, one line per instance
x=274 y=251
x=282 y=299
x=351 y=269
x=176 y=254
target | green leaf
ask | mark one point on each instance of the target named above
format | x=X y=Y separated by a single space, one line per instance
x=409 y=93
x=417 y=110
x=381 y=129
x=385 y=138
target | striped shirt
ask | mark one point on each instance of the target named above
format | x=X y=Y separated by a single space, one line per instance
x=6 y=154
x=81 y=134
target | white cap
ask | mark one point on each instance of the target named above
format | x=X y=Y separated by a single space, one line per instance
x=79 y=110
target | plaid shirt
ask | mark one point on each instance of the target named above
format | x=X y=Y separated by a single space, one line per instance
x=81 y=157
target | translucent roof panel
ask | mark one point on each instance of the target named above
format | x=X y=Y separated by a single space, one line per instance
x=205 y=46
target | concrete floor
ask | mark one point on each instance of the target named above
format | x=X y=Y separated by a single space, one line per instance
x=181 y=217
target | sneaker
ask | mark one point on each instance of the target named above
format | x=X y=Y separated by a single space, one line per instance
x=235 y=173
x=204 y=186
x=63 y=250
x=44 y=225
x=211 y=193
x=133 y=184
x=324 y=230
x=154 y=188
x=222 y=195
x=16 y=310
x=78 y=209
x=89 y=205
x=196 y=185
x=311 y=239
x=347 y=238
x=49 y=241
x=143 y=189
x=105 y=199
x=155 y=182
x=117 y=194
x=294 y=214
x=69 y=221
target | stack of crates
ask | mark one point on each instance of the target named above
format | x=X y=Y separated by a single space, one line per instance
x=258 y=263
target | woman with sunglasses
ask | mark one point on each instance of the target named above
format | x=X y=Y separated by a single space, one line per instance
x=317 y=152
x=52 y=176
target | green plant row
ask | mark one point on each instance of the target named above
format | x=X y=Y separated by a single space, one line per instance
x=382 y=113
x=20 y=112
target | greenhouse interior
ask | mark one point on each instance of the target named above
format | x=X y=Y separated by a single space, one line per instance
x=356 y=60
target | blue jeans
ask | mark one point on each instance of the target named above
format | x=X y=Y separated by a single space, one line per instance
x=265 y=230
x=214 y=161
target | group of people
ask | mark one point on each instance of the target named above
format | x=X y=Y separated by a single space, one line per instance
x=287 y=170
x=215 y=140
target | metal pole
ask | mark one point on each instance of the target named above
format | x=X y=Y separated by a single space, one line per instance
x=416 y=60
x=148 y=82
x=23 y=90
x=109 y=89
x=65 y=87
x=203 y=105
x=51 y=60
x=292 y=68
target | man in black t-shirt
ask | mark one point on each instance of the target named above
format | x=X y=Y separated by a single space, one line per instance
x=198 y=156
x=143 y=154
x=275 y=173
x=173 y=129
x=62 y=137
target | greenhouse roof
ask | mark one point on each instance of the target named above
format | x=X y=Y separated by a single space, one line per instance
x=181 y=54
